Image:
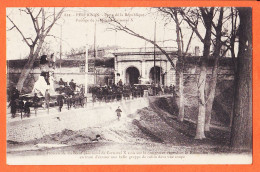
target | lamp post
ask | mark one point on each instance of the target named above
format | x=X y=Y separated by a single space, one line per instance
x=154 y=70
x=60 y=46
x=86 y=66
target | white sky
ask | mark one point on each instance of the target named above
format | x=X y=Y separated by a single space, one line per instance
x=76 y=25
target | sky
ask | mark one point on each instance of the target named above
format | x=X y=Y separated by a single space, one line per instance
x=77 y=27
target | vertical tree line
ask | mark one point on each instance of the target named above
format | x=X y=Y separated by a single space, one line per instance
x=241 y=130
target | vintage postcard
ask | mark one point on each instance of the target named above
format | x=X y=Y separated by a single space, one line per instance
x=128 y=85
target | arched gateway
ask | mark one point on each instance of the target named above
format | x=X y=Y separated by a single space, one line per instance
x=132 y=66
x=132 y=75
x=156 y=75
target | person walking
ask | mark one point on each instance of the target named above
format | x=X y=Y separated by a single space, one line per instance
x=36 y=101
x=118 y=113
x=47 y=99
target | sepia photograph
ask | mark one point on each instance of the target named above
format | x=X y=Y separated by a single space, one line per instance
x=128 y=85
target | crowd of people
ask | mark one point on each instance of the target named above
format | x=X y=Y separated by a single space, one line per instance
x=118 y=91
x=70 y=94
x=115 y=92
x=73 y=95
x=22 y=105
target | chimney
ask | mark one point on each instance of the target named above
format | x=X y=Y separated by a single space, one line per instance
x=197 y=50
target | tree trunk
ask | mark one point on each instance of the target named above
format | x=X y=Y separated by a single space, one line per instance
x=24 y=74
x=214 y=78
x=28 y=66
x=181 y=101
x=241 y=131
x=234 y=59
x=203 y=74
x=201 y=99
x=180 y=71
x=211 y=96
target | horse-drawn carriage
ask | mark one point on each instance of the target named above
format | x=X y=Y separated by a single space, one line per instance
x=72 y=98
x=111 y=93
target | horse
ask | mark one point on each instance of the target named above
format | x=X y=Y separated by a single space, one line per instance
x=78 y=99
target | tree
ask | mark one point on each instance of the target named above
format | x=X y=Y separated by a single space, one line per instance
x=207 y=15
x=43 y=21
x=230 y=44
x=241 y=130
x=214 y=78
x=173 y=13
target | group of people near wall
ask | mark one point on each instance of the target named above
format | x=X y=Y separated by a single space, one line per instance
x=118 y=91
x=44 y=86
x=20 y=105
x=115 y=92
x=71 y=93
x=71 y=84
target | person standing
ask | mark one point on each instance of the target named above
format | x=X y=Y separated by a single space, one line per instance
x=120 y=83
x=27 y=108
x=61 y=82
x=12 y=104
x=47 y=99
x=15 y=94
x=68 y=100
x=60 y=99
x=118 y=113
x=36 y=101
x=21 y=107
x=51 y=61
x=72 y=85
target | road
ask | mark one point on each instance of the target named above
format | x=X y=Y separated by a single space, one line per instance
x=148 y=133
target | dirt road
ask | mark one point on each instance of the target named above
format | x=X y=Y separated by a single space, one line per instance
x=150 y=129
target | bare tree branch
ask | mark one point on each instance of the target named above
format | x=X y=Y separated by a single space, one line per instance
x=118 y=26
x=191 y=24
x=14 y=25
x=55 y=18
x=33 y=20
x=10 y=28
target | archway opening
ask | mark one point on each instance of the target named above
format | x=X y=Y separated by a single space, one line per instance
x=156 y=75
x=132 y=75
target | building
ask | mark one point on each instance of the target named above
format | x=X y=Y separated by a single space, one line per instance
x=145 y=67
x=131 y=66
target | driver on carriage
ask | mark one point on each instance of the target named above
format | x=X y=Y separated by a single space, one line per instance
x=72 y=85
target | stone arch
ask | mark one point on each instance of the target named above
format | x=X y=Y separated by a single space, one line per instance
x=156 y=75
x=131 y=75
